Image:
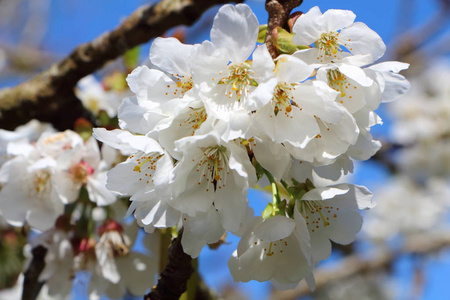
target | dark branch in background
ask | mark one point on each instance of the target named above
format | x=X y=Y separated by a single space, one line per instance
x=31 y=284
x=353 y=265
x=50 y=97
x=173 y=279
x=385 y=155
x=279 y=11
x=408 y=45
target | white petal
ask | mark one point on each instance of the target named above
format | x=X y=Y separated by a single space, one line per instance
x=274 y=228
x=139 y=270
x=323 y=193
x=337 y=19
x=306 y=29
x=131 y=116
x=235 y=28
x=292 y=70
x=355 y=73
x=171 y=56
x=360 y=39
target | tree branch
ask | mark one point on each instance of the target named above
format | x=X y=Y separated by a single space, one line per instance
x=279 y=11
x=50 y=95
x=173 y=279
x=353 y=265
x=31 y=284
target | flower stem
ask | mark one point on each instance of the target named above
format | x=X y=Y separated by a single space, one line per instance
x=276 y=200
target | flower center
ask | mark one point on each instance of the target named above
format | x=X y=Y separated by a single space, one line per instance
x=195 y=118
x=92 y=104
x=337 y=81
x=118 y=241
x=41 y=181
x=213 y=167
x=282 y=98
x=317 y=215
x=271 y=248
x=328 y=45
x=184 y=84
x=81 y=171
x=239 y=79
x=146 y=166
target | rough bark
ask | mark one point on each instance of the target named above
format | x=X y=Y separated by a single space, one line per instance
x=173 y=279
x=279 y=12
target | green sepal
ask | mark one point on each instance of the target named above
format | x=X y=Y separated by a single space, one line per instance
x=297 y=190
x=131 y=58
x=284 y=42
x=259 y=169
x=268 y=211
x=262 y=33
x=280 y=209
x=309 y=184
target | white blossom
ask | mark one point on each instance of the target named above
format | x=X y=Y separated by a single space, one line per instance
x=334 y=36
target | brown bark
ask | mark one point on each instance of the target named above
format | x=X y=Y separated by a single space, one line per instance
x=173 y=279
x=279 y=12
x=31 y=284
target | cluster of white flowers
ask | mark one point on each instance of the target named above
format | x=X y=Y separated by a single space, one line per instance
x=45 y=170
x=55 y=182
x=422 y=127
x=421 y=132
x=418 y=208
x=213 y=120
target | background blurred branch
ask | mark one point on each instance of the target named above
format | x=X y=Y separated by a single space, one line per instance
x=353 y=264
x=50 y=97
x=408 y=45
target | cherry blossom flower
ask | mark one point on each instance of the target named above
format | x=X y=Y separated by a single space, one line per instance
x=334 y=36
x=273 y=249
x=212 y=171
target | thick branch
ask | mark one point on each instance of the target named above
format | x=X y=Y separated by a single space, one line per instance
x=31 y=284
x=279 y=11
x=50 y=95
x=173 y=279
x=353 y=265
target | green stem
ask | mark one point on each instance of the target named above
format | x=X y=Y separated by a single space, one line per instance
x=291 y=203
x=276 y=200
x=165 y=241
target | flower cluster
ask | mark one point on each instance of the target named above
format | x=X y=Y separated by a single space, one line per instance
x=45 y=170
x=215 y=119
x=421 y=157
x=425 y=210
x=55 y=182
x=422 y=128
